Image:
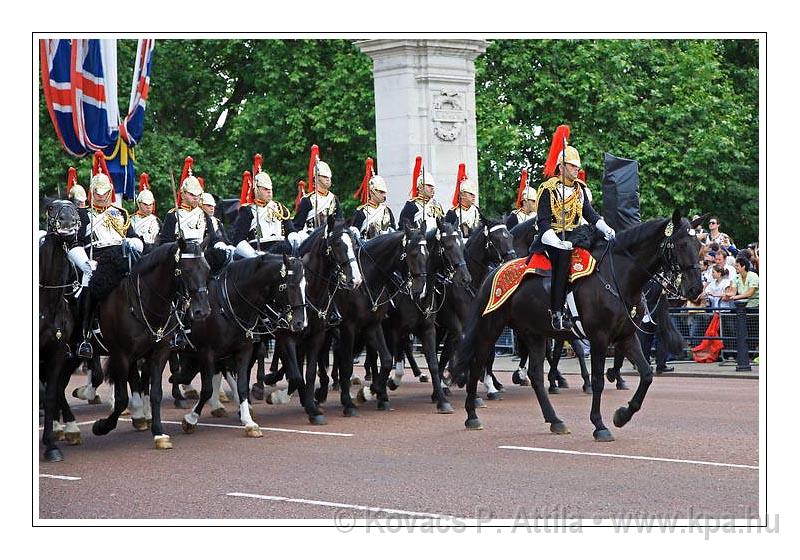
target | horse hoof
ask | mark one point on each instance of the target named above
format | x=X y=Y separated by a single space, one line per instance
x=256 y=392
x=317 y=420
x=253 y=432
x=622 y=386
x=500 y=387
x=392 y=385
x=99 y=429
x=149 y=423
x=587 y=389
x=223 y=397
x=219 y=412
x=75 y=393
x=559 y=428
x=53 y=455
x=611 y=375
x=473 y=424
x=360 y=396
x=335 y=386
x=603 y=435
x=73 y=438
x=444 y=408
x=355 y=380
x=139 y=424
x=182 y=404
x=479 y=403
x=384 y=405
x=621 y=417
x=320 y=397
x=350 y=412
x=59 y=435
x=553 y=390
x=446 y=391
x=163 y=442
x=423 y=378
x=191 y=394
x=494 y=396
x=187 y=427
x=95 y=400
x=562 y=383
x=515 y=378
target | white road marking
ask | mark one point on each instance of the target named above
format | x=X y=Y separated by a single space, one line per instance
x=59 y=477
x=639 y=457
x=339 y=506
x=338 y=434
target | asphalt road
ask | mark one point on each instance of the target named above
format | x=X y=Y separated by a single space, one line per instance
x=692 y=450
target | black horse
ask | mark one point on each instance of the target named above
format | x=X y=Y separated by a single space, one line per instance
x=524 y=234
x=250 y=298
x=487 y=248
x=58 y=283
x=607 y=300
x=390 y=264
x=139 y=316
x=446 y=265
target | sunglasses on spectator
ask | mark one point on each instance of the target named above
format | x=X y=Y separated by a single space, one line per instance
x=712 y=222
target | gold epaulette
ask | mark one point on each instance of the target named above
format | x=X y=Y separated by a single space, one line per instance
x=285 y=213
x=171 y=211
x=308 y=194
x=360 y=207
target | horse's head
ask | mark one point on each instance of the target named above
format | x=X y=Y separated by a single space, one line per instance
x=63 y=218
x=415 y=255
x=192 y=271
x=499 y=243
x=452 y=254
x=680 y=250
x=292 y=293
x=339 y=249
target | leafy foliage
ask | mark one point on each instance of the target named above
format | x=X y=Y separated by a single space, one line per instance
x=687 y=110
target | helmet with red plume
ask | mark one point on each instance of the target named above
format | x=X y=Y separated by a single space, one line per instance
x=523 y=182
x=460 y=176
x=415 y=177
x=362 y=193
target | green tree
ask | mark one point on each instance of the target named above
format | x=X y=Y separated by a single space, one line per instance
x=686 y=110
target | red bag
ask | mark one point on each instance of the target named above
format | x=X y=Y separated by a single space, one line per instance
x=708 y=350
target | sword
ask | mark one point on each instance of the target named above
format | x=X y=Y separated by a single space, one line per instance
x=563 y=208
x=175 y=198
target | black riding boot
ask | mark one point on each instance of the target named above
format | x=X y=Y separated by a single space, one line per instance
x=560 y=260
x=87 y=311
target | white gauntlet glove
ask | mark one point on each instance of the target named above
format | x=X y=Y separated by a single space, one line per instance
x=243 y=249
x=551 y=238
x=294 y=238
x=78 y=257
x=608 y=233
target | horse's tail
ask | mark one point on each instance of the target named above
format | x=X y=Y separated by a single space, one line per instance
x=468 y=347
x=672 y=339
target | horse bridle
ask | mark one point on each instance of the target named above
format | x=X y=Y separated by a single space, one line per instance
x=403 y=286
x=271 y=319
x=487 y=230
x=339 y=267
x=450 y=266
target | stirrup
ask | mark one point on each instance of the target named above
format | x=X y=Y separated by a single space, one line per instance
x=558 y=322
x=85 y=350
x=179 y=341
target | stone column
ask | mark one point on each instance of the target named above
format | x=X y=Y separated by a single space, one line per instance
x=424 y=105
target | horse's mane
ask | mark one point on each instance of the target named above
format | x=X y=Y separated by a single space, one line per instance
x=446 y=227
x=246 y=268
x=633 y=236
x=309 y=241
x=155 y=258
x=522 y=228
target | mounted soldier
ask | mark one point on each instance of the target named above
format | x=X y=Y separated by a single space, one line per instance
x=562 y=202
x=319 y=203
x=525 y=204
x=109 y=240
x=144 y=222
x=464 y=214
x=263 y=224
x=373 y=217
x=423 y=209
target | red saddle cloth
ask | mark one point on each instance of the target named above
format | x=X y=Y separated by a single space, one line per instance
x=510 y=275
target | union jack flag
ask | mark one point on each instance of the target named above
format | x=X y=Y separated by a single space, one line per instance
x=79 y=78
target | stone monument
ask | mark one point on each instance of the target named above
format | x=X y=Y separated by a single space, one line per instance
x=424 y=105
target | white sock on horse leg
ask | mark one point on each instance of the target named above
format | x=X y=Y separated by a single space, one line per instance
x=487 y=380
x=233 y=386
x=72 y=428
x=148 y=410
x=136 y=406
x=398 y=372
x=192 y=418
x=215 y=388
x=244 y=414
